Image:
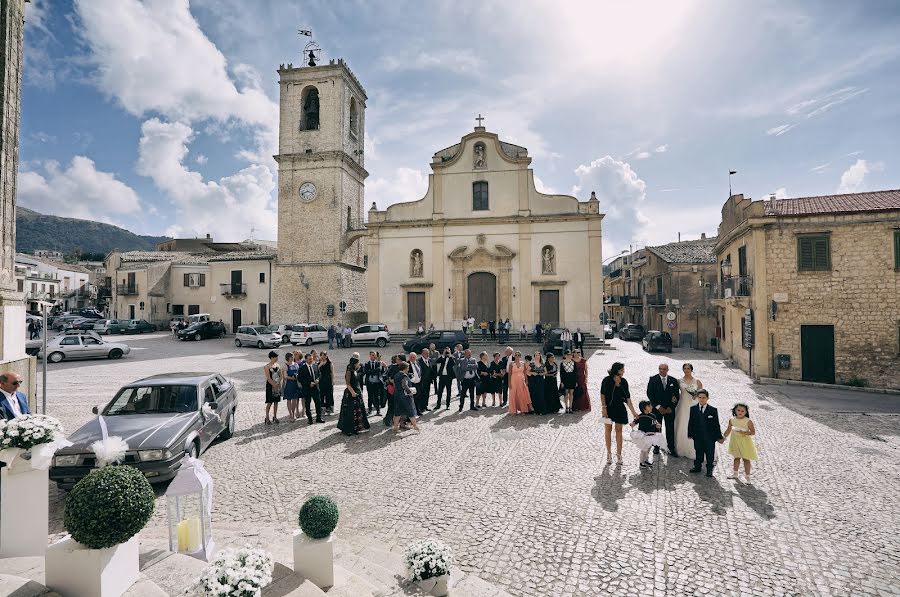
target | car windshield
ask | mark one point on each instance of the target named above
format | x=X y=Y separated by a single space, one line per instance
x=153 y=399
x=263 y=329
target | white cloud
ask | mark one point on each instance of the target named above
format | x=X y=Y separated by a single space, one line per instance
x=201 y=159
x=543 y=188
x=853 y=179
x=621 y=193
x=835 y=98
x=460 y=61
x=406 y=184
x=780 y=130
x=79 y=191
x=781 y=193
x=642 y=155
x=662 y=149
x=201 y=206
x=821 y=168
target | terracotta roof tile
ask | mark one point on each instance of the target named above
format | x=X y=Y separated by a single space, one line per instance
x=688 y=251
x=834 y=204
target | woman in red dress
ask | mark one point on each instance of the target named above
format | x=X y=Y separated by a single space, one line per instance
x=582 y=398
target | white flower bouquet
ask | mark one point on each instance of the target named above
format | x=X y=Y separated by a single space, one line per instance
x=39 y=435
x=239 y=572
x=691 y=389
x=428 y=559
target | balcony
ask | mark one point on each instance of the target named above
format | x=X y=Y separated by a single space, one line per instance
x=735 y=286
x=233 y=290
x=630 y=301
x=656 y=300
x=126 y=289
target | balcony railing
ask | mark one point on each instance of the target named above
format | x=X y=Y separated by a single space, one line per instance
x=629 y=301
x=735 y=286
x=126 y=289
x=230 y=290
x=656 y=300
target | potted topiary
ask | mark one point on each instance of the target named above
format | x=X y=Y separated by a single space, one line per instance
x=429 y=564
x=313 y=542
x=103 y=514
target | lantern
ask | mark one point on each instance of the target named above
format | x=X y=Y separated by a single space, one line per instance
x=189 y=506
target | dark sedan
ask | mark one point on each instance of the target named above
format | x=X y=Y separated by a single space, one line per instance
x=656 y=340
x=162 y=418
x=202 y=330
x=440 y=338
x=632 y=331
x=136 y=326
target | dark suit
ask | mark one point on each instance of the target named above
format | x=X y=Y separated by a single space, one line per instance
x=504 y=381
x=373 y=374
x=445 y=378
x=6 y=410
x=578 y=339
x=309 y=374
x=703 y=428
x=418 y=369
x=665 y=398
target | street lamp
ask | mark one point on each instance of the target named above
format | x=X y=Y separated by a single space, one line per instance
x=726 y=268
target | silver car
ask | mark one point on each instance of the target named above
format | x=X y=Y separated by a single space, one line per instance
x=82 y=346
x=260 y=336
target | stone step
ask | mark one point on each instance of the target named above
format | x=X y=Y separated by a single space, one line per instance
x=287 y=584
x=23 y=587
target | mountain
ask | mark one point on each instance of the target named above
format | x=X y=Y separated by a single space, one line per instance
x=69 y=235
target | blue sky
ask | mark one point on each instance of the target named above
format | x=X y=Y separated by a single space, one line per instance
x=161 y=115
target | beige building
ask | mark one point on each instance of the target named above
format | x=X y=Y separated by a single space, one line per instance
x=625 y=290
x=809 y=288
x=484 y=242
x=235 y=287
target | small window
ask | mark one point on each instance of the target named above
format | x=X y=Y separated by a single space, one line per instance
x=70 y=341
x=480 y=196
x=813 y=253
x=354 y=118
x=89 y=341
x=262 y=277
x=209 y=394
x=363 y=329
x=309 y=120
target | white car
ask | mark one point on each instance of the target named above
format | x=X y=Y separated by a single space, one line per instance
x=260 y=336
x=308 y=333
x=371 y=333
x=284 y=330
x=83 y=346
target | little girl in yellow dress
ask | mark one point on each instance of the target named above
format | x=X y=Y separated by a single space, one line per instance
x=741 y=446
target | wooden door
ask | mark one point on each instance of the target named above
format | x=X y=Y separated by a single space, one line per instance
x=817 y=353
x=415 y=309
x=235 y=320
x=482 y=295
x=550 y=307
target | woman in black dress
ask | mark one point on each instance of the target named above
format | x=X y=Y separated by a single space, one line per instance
x=352 y=419
x=614 y=398
x=551 y=385
x=568 y=377
x=535 y=373
x=274 y=385
x=326 y=383
x=404 y=406
x=483 y=385
x=389 y=390
x=496 y=371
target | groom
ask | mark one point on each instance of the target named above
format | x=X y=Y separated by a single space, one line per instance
x=663 y=391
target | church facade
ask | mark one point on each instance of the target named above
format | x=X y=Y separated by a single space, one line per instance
x=483 y=242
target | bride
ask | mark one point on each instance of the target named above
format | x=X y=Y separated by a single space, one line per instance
x=689 y=387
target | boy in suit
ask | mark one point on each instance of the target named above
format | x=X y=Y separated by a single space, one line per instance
x=703 y=428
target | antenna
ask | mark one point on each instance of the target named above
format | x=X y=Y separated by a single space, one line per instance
x=311 y=51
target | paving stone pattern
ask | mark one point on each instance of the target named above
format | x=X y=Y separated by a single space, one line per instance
x=529 y=503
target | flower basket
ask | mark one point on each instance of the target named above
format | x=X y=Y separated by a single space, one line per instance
x=429 y=564
x=235 y=573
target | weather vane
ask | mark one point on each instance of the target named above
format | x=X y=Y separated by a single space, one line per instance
x=311 y=50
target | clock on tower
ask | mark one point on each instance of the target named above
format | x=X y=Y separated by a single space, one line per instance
x=321 y=177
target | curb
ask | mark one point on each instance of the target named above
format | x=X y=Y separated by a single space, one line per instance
x=811 y=384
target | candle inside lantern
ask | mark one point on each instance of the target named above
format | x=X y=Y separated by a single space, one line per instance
x=193 y=534
x=182 y=532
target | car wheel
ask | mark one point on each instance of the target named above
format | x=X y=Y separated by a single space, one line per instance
x=197 y=337
x=309 y=341
x=380 y=343
x=260 y=344
x=228 y=432
x=56 y=357
x=115 y=353
x=237 y=342
x=193 y=451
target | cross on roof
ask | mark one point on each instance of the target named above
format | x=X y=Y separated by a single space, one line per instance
x=479 y=119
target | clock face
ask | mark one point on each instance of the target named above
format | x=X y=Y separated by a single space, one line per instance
x=307 y=191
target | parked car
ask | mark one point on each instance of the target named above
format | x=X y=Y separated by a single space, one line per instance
x=440 y=338
x=632 y=331
x=202 y=330
x=656 y=340
x=371 y=333
x=175 y=320
x=199 y=317
x=82 y=346
x=284 y=330
x=308 y=333
x=90 y=313
x=136 y=326
x=614 y=325
x=260 y=336
x=553 y=342
x=84 y=324
x=110 y=326
x=608 y=332
x=164 y=417
x=64 y=322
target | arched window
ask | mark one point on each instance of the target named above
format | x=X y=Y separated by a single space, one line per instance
x=309 y=105
x=354 y=118
x=480 y=196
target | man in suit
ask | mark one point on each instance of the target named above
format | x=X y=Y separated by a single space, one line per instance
x=578 y=339
x=423 y=389
x=13 y=403
x=468 y=370
x=446 y=373
x=309 y=388
x=433 y=351
x=704 y=429
x=415 y=379
x=373 y=374
x=663 y=392
x=504 y=364
x=458 y=356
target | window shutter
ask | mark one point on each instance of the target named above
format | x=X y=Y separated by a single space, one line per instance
x=897 y=249
x=187 y=279
x=805 y=255
x=202 y=279
x=821 y=254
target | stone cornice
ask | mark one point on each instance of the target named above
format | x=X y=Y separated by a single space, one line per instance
x=513 y=219
x=549 y=282
x=338 y=156
x=414 y=285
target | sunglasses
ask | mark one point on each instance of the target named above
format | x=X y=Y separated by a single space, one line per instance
x=16 y=383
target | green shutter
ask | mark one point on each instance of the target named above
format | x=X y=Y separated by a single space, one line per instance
x=187 y=279
x=813 y=253
x=822 y=254
x=897 y=249
x=805 y=254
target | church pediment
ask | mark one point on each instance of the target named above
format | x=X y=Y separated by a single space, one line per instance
x=482 y=255
x=480 y=150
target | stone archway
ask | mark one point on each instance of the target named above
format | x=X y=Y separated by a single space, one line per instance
x=496 y=262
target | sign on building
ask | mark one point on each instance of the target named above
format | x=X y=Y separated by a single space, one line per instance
x=748 y=329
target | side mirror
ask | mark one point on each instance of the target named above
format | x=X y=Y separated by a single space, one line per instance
x=95 y=410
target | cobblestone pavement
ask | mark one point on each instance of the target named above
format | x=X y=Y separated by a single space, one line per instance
x=528 y=502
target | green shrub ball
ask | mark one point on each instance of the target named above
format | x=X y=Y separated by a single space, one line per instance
x=318 y=516
x=109 y=506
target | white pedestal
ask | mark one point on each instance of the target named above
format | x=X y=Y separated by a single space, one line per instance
x=73 y=570
x=23 y=522
x=314 y=559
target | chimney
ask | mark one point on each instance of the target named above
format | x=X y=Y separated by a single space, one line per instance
x=208 y=237
x=679 y=237
x=702 y=236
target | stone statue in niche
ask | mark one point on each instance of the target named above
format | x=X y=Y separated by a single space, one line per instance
x=415 y=264
x=480 y=161
x=548 y=259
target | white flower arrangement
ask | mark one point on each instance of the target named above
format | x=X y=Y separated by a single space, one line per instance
x=38 y=435
x=691 y=389
x=239 y=572
x=428 y=559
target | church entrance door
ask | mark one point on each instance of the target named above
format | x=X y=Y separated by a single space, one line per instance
x=482 y=293
x=415 y=302
x=550 y=307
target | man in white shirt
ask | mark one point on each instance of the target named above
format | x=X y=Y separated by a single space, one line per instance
x=13 y=403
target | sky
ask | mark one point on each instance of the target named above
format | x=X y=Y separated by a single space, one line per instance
x=161 y=116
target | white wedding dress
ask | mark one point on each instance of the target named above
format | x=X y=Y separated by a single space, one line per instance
x=683 y=444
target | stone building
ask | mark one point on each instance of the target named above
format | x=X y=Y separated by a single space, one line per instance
x=679 y=278
x=484 y=242
x=625 y=290
x=319 y=273
x=809 y=288
x=12 y=308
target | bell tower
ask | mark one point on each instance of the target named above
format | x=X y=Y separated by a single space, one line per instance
x=321 y=178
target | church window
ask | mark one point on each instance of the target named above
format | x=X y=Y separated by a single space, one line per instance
x=309 y=106
x=480 y=196
x=354 y=118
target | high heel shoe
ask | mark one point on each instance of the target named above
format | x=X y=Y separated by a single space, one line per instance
x=268 y=422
